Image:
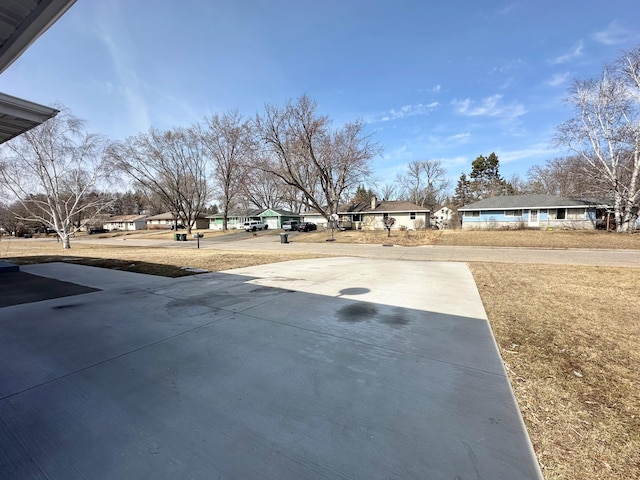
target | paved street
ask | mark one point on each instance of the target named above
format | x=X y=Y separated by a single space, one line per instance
x=270 y=242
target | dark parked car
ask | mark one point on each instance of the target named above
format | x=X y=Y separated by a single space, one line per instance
x=93 y=230
x=307 y=226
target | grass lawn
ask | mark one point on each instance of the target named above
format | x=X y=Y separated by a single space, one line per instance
x=570 y=340
x=569 y=335
x=488 y=238
x=152 y=260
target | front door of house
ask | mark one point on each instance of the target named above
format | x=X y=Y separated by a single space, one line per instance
x=534 y=220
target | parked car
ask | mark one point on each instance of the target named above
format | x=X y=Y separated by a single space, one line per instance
x=307 y=227
x=176 y=227
x=255 y=225
x=93 y=230
x=290 y=225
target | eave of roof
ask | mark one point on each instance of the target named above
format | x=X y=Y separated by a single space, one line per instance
x=517 y=202
x=394 y=206
x=18 y=116
x=126 y=218
x=23 y=22
x=170 y=216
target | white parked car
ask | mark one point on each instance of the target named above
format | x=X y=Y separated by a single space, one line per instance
x=290 y=225
x=254 y=225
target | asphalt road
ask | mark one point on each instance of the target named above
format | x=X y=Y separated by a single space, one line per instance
x=270 y=242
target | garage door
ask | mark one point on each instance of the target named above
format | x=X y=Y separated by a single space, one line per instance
x=272 y=222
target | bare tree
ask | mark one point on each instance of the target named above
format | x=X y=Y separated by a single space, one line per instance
x=388 y=192
x=306 y=154
x=170 y=165
x=11 y=218
x=229 y=143
x=52 y=170
x=262 y=189
x=425 y=183
x=565 y=177
x=388 y=223
x=605 y=133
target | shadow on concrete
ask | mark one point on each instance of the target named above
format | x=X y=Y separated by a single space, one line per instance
x=217 y=377
x=21 y=287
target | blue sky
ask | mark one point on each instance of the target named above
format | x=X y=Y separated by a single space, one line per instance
x=433 y=80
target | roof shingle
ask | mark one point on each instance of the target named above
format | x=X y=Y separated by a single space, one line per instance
x=528 y=201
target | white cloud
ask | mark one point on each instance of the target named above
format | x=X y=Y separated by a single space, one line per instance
x=459 y=137
x=558 y=79
x=408 y=111
x=489 y=107
x=614 y=34
x=129 y=84
x=508 y=8
x=533 y=152
x=575 y=52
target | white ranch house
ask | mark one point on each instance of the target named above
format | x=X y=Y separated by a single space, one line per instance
x=371 y=215
x=273 y=218
x=164 y=221
x=235 y=219
x=125 y=222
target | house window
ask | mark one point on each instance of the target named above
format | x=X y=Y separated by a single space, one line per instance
x=561 y=214
x=357 y=217
x=513 y=213
x=412 y=216
x=472 y=214
x=576 y=213
x=385 y=215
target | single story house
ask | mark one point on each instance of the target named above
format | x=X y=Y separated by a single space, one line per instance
x=533 y=211
x=235 y=219
x=371 y=215
x=95 y=221
x=271 y=217
x=274 y=218
x=126 y=222
x=167 y=219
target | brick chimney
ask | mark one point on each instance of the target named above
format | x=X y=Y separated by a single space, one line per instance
x=374 y=202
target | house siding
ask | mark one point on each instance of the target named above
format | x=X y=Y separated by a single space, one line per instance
x=374 y=221
x=575 y=218
x=138 y=225
x=232 y=223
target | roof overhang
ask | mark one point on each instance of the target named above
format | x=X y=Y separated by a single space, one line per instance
x=530 y=207
x=18 y=116
x=23 y=21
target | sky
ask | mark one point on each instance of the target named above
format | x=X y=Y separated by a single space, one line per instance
x=447 y=80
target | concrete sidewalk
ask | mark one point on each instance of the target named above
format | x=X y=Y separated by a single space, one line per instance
x=339 y=368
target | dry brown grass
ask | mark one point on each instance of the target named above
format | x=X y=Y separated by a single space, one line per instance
x=153 y=260
x=405 y=238
x=489 y=238
x=570 y=339
x=540 y=239
x=569 y=335
x=154 y=234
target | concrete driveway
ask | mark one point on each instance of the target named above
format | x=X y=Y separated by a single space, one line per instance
x=340 y=368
